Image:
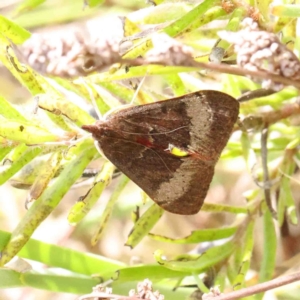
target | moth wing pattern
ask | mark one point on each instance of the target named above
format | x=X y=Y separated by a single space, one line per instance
x=136 y=140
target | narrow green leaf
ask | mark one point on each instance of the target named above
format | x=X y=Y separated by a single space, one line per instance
x=177 y=27
x=176 y=84
x=46 y=174
x=199 y=236
x=27 y=133
x=263 y=7
x=136 y=273
x=3 y=152
x=29 y=5
x=129 y=27
x=248 y=152
x=82 y=207
x=66 y=12
x=10 y=279
x=19 y=157
x=102 y=100
x=212 y=13
x=236 y=261
x=286 y=10
x=9 y=112
x=49 y=279
x=246 y=257
x=13 y=31
x=139 y=71
x=269 y=254
x=17 y=152
x=109 y=208
x=93 y=3
x=26 y=177
x=123 y=92
x=144 y=224
x=22 y=72
x=75 y=162
x=165 y=12
x=212 y=207
x=221 y=279
x=35 y=83
x=127 y=94
x=286 y=199
x=61 y=106
x=197 y=263
x=59 y=281
x=66 y=258
x=230 y=85
x=201 y=286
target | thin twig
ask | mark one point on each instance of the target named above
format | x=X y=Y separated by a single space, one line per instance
x=224 y=68
x=261 y=287
x=271 y=117
x=255 y=94
x=218 y=67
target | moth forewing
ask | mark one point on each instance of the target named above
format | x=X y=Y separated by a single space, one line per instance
x=170 y=148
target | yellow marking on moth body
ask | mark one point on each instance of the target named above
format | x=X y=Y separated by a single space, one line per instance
x=176 y=151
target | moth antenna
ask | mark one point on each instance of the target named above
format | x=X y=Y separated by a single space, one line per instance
x=160 y=159
x=116 y=109
x=89 y=90
x=150 y=134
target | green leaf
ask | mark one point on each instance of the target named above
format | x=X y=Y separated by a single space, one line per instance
x=106 y=214
x=144 y=224
x=93 y=3
x=52 y=13
x=248 y=152
x=75 y=162
x=246 y=255
x=153 y=272
x=10 y=279
x=197 y=263
x=4 y=149
x=127 y=94
x=46 y=174
x=264 y=7
x=212 y=207
x=268 y=263
x=176 y=84
x=29 y=5
x=165 y=12
x=286 y=201
x=82 y=207
x=59 y=281
x=19 y=157
x=9 y=112
x=198 y=236
x=139 y=71
x=57 y=256
x=61 y=106
x=286 y=10
x=25 y=132
x=49 y=279
x=13 y=31
x=178 y=26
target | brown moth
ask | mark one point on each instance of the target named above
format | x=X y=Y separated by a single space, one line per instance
x=170 y=148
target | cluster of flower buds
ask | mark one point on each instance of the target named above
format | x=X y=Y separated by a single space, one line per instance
x=259 y=50
x=70 y=54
